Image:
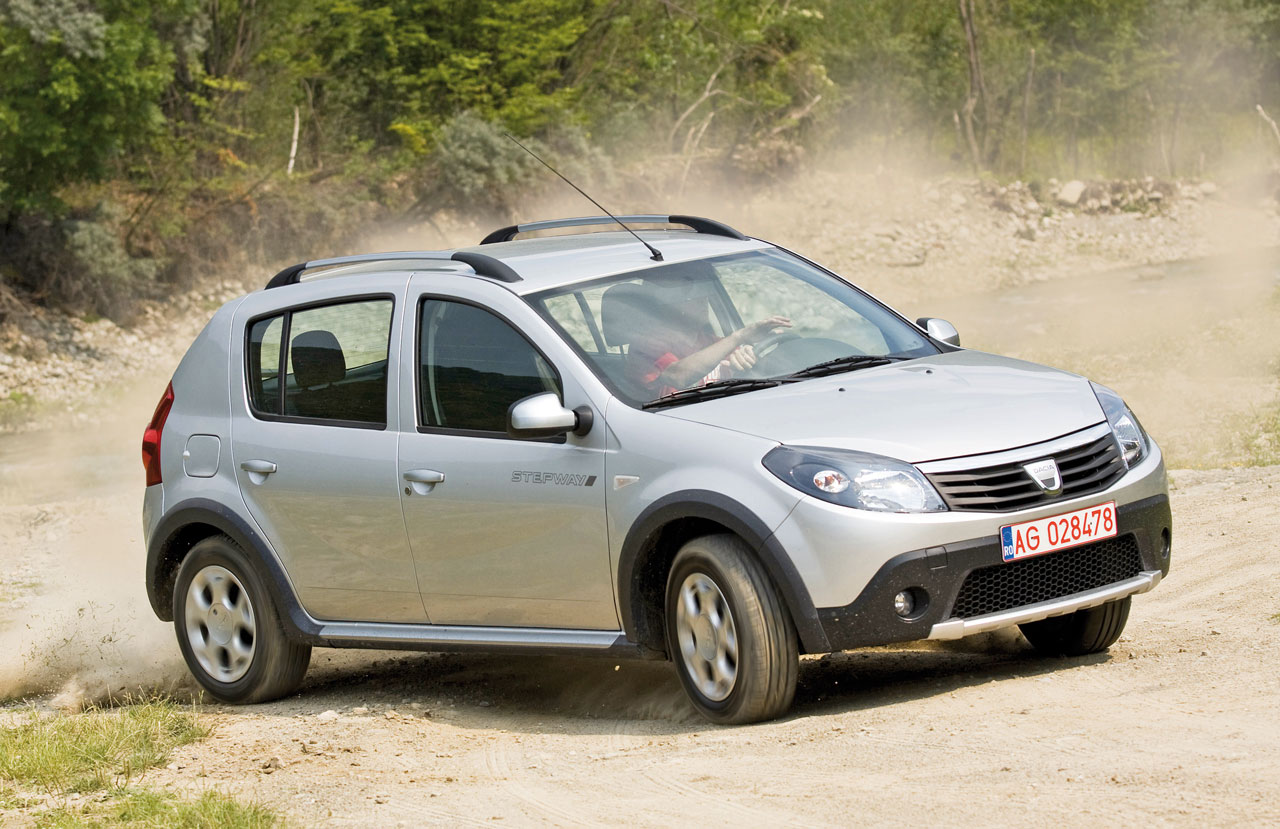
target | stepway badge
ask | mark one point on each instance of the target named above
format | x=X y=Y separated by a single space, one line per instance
x=558 y=478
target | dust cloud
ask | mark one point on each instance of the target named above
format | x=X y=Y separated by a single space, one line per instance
x=74 y=616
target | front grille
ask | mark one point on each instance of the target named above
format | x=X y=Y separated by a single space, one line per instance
x=1086 y=468
x=1051 y=576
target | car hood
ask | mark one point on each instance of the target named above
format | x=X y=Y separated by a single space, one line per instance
x=954 y=404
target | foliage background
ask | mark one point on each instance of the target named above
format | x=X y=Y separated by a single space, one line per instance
x=147 y=142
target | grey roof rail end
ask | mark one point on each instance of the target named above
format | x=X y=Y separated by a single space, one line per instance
x=288 y=276
x=694 y=223
x=487 y=266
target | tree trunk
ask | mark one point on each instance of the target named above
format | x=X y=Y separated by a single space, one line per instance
x=1026 y=110
x=1173 y=137
x=977 y=85
x=1160 y=136
x=293 y=146
x=1275 y=130
x=975 y=154
x=1075 y=148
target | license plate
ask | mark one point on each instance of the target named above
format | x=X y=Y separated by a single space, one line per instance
x=1058 y=532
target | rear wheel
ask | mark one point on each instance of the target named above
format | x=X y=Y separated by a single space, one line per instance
x=228 y=627
x=1091 y=630
x=728 y=632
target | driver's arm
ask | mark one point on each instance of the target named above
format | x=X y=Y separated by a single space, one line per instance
x=691 y=369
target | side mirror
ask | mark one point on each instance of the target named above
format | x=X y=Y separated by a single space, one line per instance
x=542 y=415
x=940 y=329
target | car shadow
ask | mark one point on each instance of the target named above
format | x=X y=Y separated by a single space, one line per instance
x=544 y=694
x=871 y=678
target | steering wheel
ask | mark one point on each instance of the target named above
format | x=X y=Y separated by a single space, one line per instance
x=765 y=348
x=766 y=345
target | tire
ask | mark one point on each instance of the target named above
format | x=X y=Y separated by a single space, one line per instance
x=229 y=629
x=733 y=642
x=1091 y=630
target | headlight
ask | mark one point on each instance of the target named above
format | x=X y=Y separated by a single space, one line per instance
x=1130 y=438
x=855 y=479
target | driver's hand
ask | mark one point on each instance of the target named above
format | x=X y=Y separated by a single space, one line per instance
x=741 y=358
x=757 y=331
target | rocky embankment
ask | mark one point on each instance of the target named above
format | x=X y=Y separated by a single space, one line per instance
x=911 y=239
x=54 y=365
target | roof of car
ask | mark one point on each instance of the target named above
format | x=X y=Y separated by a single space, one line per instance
x=553 y=261
x=534 y=264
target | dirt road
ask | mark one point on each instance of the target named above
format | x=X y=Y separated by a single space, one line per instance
x=1178 y=723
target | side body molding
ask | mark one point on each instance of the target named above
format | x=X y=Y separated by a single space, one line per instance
x=719 y=508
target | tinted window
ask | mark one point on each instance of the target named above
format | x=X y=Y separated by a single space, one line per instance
x=338 y=362
x=335 y=368
x=473 y=366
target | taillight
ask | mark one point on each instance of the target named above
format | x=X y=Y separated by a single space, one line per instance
x=151 y=437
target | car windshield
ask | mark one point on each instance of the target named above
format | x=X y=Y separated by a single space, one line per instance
x=755 y=315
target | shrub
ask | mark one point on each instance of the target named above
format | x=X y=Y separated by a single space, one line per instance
x=78 y=262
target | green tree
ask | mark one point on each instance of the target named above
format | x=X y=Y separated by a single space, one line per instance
x=79 y=86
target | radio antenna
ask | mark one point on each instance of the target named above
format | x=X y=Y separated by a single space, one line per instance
x=657 y=255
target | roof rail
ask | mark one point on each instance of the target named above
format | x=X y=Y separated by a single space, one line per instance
x=698 y=225
x=482 y=264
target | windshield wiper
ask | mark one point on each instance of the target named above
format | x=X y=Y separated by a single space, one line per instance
x=720 y=388
x=840 y=364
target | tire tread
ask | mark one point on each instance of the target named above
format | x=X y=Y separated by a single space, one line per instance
x=284 y=661
x=1083 y=632
x=770 y=682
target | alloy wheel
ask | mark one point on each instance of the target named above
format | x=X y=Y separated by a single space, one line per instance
x=220 y=623
x=707 y=636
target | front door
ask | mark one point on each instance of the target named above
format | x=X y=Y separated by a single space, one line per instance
x=315 y=452
x=504 y=532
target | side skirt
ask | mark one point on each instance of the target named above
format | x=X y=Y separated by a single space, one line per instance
x=609 y=643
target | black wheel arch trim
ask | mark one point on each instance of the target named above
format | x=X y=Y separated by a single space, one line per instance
x=298 y=625
x=723 y=510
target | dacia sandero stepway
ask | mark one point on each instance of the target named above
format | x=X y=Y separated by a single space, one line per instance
x=669 y=441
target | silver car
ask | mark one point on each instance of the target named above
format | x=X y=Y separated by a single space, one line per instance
x=703 y=448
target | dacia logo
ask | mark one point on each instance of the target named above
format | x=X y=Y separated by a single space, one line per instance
x=557 y=478
x=1046 y=474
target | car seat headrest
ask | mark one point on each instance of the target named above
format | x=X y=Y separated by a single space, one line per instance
x=317 y=359
x=629 y=311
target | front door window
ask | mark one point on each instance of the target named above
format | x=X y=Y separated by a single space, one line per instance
x=472 y=367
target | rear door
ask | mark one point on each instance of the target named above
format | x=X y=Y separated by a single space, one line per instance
x=314 y=439
x=504 y=532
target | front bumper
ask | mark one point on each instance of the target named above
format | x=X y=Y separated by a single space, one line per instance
x=938 y=573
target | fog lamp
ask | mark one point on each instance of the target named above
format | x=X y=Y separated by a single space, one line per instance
x=904 y=603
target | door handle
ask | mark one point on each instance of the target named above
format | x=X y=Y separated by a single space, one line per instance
x=424 y=476
x=258 y=467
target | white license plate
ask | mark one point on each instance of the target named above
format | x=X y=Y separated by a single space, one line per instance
x=1058 y=532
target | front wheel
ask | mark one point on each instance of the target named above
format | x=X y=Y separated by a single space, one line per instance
x=1091 y=630
x=228 y=627
x=730 y=635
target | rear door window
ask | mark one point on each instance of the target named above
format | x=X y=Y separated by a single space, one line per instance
x=334 y=369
